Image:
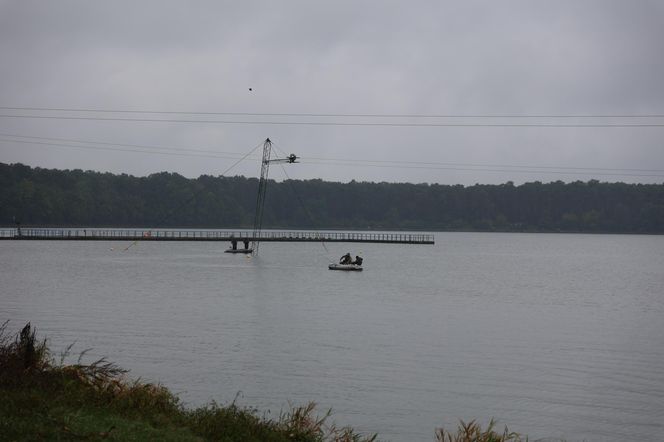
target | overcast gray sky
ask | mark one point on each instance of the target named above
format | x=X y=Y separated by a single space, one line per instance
x=454 y=58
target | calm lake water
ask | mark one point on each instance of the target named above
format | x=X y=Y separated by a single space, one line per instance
x=557 y=336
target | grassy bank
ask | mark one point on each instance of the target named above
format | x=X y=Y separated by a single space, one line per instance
x=45 y=399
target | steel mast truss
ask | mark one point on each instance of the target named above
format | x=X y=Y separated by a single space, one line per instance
x=262 y=190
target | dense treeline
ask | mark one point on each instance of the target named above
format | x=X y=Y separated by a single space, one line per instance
x=36 y=196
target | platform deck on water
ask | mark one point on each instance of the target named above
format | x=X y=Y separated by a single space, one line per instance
x=94 y=234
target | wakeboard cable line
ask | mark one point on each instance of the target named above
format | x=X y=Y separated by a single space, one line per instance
x=304 y=207
x=176 y=209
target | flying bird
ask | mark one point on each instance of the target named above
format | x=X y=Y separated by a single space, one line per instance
x=250 y=89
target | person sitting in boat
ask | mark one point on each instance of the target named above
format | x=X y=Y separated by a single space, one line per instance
x=358 y=261
x=346 y=259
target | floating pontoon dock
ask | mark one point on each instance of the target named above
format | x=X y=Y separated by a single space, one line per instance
x=49 y=234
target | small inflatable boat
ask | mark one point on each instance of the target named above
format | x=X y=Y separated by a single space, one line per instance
x=346 y=267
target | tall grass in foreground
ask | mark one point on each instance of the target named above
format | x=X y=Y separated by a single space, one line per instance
x=42 y=399
x=47 y=400
x=473 y=432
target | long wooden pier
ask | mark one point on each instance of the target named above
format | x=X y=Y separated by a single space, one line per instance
x=95 y=234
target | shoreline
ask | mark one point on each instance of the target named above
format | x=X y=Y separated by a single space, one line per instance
x=46 y=399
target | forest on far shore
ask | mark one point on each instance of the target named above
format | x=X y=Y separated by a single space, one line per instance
x=46 y=197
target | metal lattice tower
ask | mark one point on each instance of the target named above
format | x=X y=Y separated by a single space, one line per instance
x=262 y=189
x=260 y=198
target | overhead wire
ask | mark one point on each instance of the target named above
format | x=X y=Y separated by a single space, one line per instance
x=354 y=160
x=340 y=123
x=395 y=164
x=327 y=115
x=152 y=152
x=120 y=144
x=477 y=169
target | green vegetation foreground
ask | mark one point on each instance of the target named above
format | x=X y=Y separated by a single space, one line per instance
x=45 y=400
